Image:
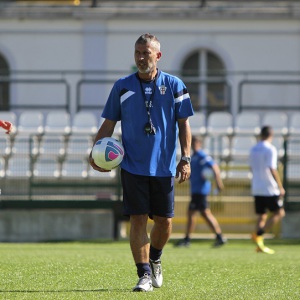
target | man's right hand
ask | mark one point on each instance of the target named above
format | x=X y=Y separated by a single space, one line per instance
x=94 y=166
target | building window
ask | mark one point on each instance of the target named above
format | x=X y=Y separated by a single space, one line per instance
x=204 y=74
x=4 y=84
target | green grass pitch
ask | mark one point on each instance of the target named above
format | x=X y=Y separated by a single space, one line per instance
x=105 y=270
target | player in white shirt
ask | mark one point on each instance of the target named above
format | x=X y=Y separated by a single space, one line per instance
x=267 y=188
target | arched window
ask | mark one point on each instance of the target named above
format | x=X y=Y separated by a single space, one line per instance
x=204 y=74
x=4 y=84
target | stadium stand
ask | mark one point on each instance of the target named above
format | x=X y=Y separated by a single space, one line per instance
x=10 y=117
x=62 y=150
x=84 y=123
x=74 y=168
x=278 y=120
x=2 y=167
x=58 y=122
x=5 y=146
x=220 y=123
x=25 y=145
x=247 y=123
x=294 y=126
x=240 y=147
x=278 y=142
x=118 y=131
x=79 y=146
x=293 y=171
x=46 y=168
x=217 y=146
x=30 y=123
x=19 y=166
x=198 y=123
x=52 y=146
x=293 y=149
x=238 y=170
x=92 y=174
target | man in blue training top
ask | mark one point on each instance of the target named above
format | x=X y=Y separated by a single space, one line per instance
x=200 y=189
x=153 y=108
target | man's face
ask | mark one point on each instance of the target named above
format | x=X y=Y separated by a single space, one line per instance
x=146 y=58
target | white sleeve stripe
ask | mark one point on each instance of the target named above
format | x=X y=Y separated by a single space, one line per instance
x=126 y=96
x=182 y=97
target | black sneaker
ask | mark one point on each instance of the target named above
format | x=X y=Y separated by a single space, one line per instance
x=183 y=243
x=220 y=242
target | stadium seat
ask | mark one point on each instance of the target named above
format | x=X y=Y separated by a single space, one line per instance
x=240 y=147
x=197 y=123
x=19 y=166
x=5 y=145
x=74 y=168
x=238 y=170
x=220 y=123
x=92 y=174
x=277 y=120
x=58 y=122
x=217 y=146
x=52 y=146
x=79 y=146
x=294 y=126
x=84 y=123
x=118 y=131
x=278 y=142
x=46 y=168
x=247 y=123
x=293 y=171
x=10 y=117
x=293 y=148
x=24 y=145
x=2 y=167
x=30 y=122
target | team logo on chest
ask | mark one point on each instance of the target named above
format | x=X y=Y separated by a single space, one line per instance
x=162 y=89
x=148 y=90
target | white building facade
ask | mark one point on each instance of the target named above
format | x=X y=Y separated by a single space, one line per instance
x=221 y=51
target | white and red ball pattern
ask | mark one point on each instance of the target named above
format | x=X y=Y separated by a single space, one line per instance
x=108 y=153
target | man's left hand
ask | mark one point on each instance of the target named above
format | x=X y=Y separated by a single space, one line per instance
x=183 y=171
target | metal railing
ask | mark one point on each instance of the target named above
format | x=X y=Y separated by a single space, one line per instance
x=65 y=103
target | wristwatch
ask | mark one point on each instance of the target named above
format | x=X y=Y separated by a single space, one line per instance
x=186 y=158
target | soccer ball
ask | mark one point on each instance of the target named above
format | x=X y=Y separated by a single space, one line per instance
x=208 y=173
x=108 y=153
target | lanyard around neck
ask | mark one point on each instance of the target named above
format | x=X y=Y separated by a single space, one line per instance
x=148 y=103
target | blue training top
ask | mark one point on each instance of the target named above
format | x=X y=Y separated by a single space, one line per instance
x=199 y=161
x=147 y=154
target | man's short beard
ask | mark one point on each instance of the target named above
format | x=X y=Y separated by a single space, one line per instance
x=147 y=71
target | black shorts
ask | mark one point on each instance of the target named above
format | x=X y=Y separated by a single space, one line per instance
x=264 y=203
x=198 y=202
x=147 y=195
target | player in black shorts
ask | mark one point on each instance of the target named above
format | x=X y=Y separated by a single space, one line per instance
x=201 y=165
x=267 y=188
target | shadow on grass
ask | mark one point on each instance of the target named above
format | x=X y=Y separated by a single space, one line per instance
x=273 y=241
x=66 y=291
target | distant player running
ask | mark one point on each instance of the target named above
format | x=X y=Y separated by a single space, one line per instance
x=200 y=189
x=267 y=188
x=6 y=126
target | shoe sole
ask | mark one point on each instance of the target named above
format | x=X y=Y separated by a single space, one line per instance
x=265 y=250
x=220 y=245
x=142 y=290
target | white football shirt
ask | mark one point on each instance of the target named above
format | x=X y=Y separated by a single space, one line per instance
x=263 y=157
